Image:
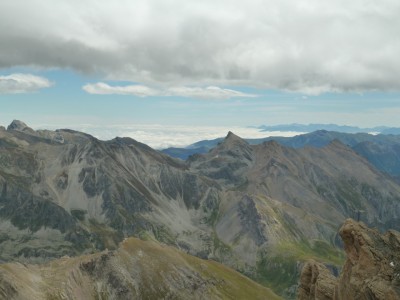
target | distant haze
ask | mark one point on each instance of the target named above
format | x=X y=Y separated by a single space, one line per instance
x=160 y=137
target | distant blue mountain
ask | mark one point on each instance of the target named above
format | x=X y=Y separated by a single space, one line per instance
x=329 y=127
x=382 y=150
x=390 y=131
x=203 y=147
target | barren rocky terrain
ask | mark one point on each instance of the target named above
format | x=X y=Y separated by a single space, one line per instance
x=260 y=209
x=136 y=270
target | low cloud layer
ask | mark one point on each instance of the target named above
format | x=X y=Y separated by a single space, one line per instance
x=164 y=136
x=309 y=46
x=22 y=83
x=211 y=92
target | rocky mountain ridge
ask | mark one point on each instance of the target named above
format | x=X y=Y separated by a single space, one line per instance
x=136 y=270
x=380 y=150
x=260 y=209
x=329 y=127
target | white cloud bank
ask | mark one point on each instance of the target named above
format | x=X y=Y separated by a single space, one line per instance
x=211 y=92
x=308 y=46
x=101 y=88
x=164 y=136
x=22 y=83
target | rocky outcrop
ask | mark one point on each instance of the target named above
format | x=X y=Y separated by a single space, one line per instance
x=371 y=270
x=316 y=282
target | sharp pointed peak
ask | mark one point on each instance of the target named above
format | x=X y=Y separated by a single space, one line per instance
x=232 y=140
x=19 y=126
x=232 y=136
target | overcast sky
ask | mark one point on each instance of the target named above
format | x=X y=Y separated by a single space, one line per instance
x=200 y=63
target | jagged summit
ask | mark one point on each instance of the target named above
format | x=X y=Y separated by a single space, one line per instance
x=19 y=126
x=231 y=135
x=233 y=145
x=232 y=139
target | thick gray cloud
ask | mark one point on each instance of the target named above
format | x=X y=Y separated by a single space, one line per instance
x=310 y=46
x=22 y=83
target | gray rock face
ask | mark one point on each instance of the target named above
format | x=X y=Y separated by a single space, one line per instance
x=250 y=219
x=66 y=193
x=90 y=194
x=227 y=162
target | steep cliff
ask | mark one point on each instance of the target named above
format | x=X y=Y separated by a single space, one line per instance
x=371 y=270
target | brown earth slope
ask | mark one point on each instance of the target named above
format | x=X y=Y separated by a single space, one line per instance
x=137 y=270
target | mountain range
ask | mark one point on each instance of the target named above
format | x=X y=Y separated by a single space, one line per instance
x=329 y=127
x=260 y=209
x=382 y=150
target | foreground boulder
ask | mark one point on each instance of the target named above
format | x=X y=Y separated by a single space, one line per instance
x=371 y=270
x=316 y=282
